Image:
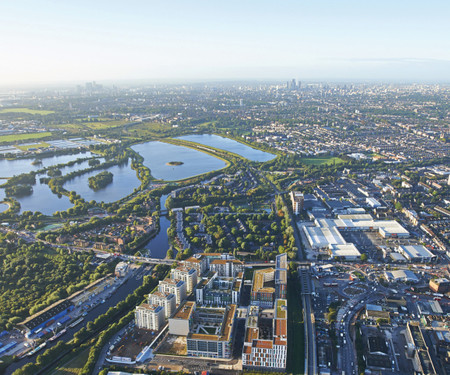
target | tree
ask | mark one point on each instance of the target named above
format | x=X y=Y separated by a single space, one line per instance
x=363 y=257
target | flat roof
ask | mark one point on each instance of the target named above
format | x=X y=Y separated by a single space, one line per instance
x=416 y=251
x=347 y=250
x=185 y=312
x=258 y=279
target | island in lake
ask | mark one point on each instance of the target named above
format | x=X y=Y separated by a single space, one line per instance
x=100 y=180
x=175 y=163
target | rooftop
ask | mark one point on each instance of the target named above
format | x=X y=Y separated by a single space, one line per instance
x=186 y=311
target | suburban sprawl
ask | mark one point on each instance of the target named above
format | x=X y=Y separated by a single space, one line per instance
x=225 y=228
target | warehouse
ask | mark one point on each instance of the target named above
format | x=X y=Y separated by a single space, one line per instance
x=416 y=253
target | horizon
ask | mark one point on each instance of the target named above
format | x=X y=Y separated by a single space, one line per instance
x=50 y=42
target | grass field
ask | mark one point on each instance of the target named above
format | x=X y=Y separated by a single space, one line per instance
x=73 y=366
x=296 y=332
x=26 y=110
x=321 y=160
x=22 y=137
x=104 y=124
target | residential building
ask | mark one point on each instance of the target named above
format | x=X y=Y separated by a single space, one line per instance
x=149 y=316
x=226 y=267
x=266 y=347
x=164 y=299
x=297 y=200
x=188 y=275
x=176 y=287
x=217 y=344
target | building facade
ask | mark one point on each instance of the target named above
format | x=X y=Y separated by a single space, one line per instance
x=149 y=316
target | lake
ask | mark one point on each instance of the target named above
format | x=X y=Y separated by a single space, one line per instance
x=43 y=200
x=229 y=145
x=157 y=154
x=9 y=168
x=124 y=183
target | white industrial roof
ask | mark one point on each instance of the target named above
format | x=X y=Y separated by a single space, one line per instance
x=416 y=251
x=347 y=250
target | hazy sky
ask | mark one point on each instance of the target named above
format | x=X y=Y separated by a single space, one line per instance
x=67 y=40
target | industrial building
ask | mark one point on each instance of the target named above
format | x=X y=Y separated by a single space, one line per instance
x=416 y=253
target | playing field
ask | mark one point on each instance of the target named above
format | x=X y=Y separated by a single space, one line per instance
x=321 y=160
x=22 y=137
x=26 y=110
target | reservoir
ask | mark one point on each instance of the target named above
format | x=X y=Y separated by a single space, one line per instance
x=229 y=145
x=124 y=182
x=9 y=168
x=158 y=154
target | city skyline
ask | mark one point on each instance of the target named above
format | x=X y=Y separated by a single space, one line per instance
x=54 y=42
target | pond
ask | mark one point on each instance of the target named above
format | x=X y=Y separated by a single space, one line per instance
x=124 y=183
x=157 y=155
x=229 y=145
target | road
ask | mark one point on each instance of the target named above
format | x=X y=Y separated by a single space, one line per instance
x=310 y=331
x=121 y=293
x=347 y=354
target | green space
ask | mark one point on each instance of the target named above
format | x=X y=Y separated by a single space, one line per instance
x=322 y=160
x=22 y=137
x=101 y=125
x=73 y=366
x=26 y=110
x=296 y=332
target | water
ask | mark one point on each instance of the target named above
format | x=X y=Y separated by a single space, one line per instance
x=229 y=145
x=158 y=154
x=159 y=244
x=3 y=207
x=124 y=183
x=9 y=168
x=43 y=200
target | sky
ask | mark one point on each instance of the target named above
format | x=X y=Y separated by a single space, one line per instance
x=84 y=40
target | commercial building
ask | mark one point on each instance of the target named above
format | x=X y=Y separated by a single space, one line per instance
x=265 y=343
x=149 y=316
x=166 y=300
x=416 y=253
x=441 y=285
x=297 y=200
x=121 y=269
x=401 y=276
x=181 y=323
x=176 y=287
x=347 y=252
x=188 y=275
